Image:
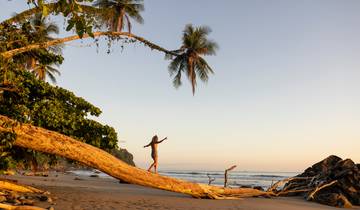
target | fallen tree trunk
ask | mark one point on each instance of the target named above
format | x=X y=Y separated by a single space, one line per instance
x=50 y=142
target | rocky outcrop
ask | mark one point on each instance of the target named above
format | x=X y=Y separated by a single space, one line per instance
x=332 y=181
x=124 y=155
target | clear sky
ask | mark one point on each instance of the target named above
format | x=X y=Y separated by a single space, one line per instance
x=285 y=93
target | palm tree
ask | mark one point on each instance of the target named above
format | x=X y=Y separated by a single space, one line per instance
x=42 y=71
x=42 y=33
x=120 y=11
x=195 y=44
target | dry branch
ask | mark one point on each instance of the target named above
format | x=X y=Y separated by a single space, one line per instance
x=210 y=179
x=274 y=187
x=10 y=186
x=226 y=174
x=312 y=194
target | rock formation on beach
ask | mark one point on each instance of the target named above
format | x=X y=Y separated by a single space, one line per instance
x=332 y=181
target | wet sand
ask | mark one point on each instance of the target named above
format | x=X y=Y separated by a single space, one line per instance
x=91 y=193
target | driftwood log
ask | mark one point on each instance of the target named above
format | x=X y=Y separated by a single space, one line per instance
x=42 y=140
x=333 y=181
x=21 y=195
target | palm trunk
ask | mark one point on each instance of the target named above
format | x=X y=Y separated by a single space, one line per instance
x=12 y=53
x=50 y=142
x=120 y=23
x=191 y=73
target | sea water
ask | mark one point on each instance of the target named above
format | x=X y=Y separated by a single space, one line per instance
x=235 y=178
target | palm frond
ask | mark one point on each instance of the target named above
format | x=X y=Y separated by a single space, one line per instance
x=120 y=10
x=51 y=77
x=177 y=80
x=195 y=43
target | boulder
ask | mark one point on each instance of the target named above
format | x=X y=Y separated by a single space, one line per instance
x=332 y=181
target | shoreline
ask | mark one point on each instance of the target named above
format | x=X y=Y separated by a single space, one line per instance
x=93 y=193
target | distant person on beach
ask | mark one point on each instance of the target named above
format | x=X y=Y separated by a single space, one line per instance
x=154 y=154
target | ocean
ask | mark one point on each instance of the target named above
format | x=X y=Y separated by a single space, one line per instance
x=235 y=178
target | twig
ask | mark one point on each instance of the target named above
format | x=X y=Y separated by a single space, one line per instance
x=210 y=179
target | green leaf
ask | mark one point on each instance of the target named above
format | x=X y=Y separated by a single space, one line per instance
x=70 y=25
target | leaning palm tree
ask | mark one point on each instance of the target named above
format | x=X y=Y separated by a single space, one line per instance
x=42 y=32
x=195 y=44
x=119 y=11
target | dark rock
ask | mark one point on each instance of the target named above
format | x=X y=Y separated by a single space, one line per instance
x=342 y=193
x=321 y=167
x=123 y=182
x=333 y=199
x=259 y=188
x=42 y=198
x=94 y=175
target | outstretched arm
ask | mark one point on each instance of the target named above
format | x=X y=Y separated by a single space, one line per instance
x=147 y=145
x=161 y=140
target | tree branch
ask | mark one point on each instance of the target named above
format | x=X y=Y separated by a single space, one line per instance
x=226 y=174
x=12 y=53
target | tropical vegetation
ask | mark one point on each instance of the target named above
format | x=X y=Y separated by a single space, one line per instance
x=38 y=117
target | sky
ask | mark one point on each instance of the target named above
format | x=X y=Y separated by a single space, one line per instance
x=285 y=93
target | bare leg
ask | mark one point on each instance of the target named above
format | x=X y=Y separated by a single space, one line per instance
x=152 y=165
x=155 y=166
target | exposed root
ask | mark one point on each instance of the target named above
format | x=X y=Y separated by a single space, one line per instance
x=312 y=194
x=284 y=181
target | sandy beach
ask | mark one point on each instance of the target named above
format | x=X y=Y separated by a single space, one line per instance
x=92 y=193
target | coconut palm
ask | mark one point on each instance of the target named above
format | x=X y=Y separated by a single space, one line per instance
x=195 y=44
x=42 y=32
x=120 y=11
x=42 y=71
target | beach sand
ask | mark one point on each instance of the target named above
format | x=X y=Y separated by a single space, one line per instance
x=93 y=193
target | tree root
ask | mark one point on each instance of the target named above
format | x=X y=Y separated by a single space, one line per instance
x=312 y=194
x=274 y=187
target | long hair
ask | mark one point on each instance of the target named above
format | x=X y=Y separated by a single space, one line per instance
x=154 y=138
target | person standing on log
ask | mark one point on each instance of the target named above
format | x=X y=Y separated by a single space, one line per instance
x=154 y=154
